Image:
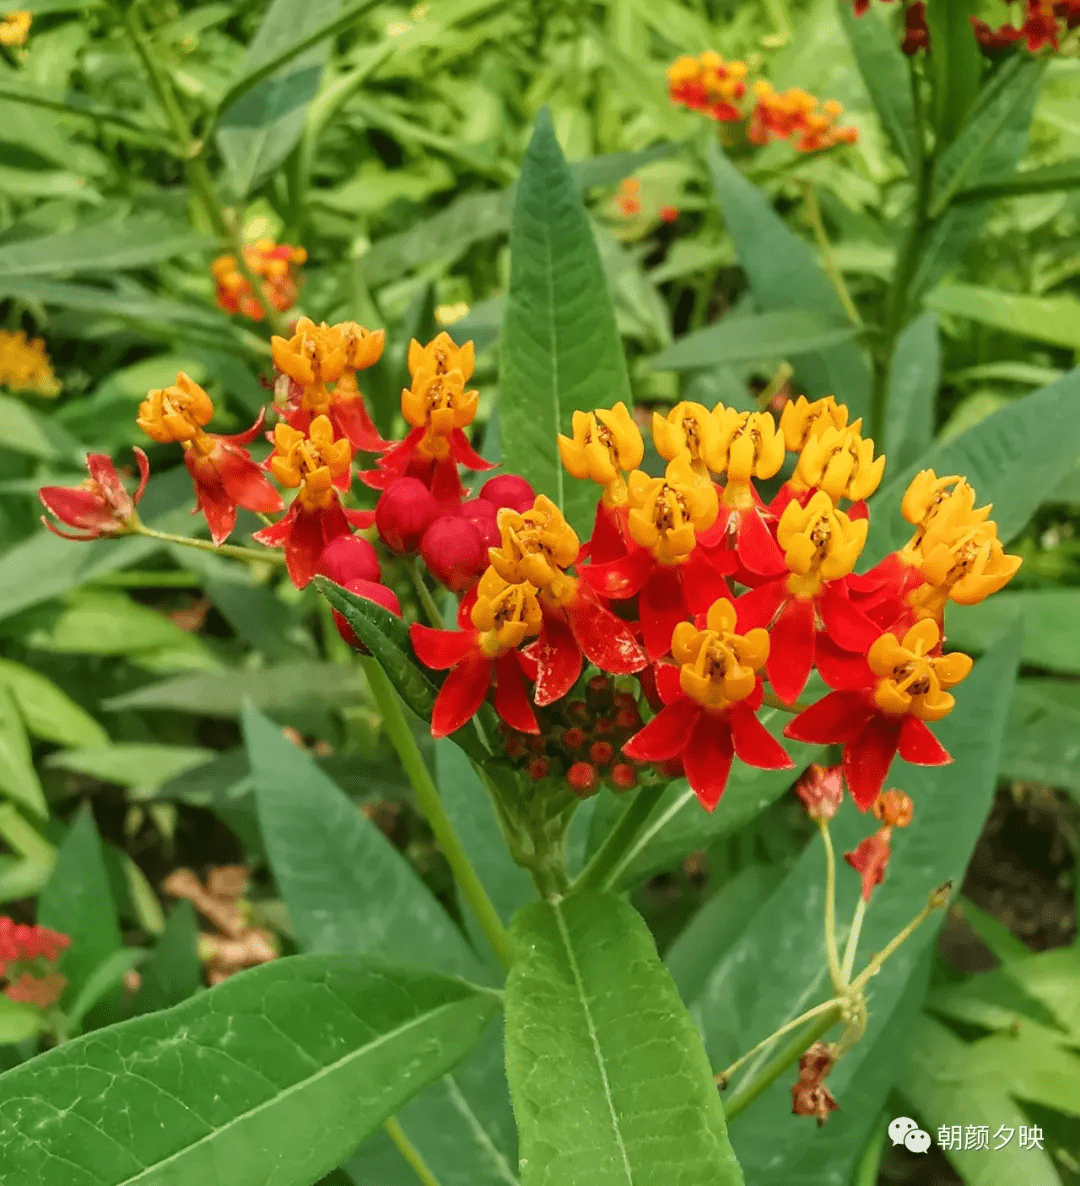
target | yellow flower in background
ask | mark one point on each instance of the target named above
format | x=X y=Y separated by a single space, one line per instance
x=15 y=28
x=24 y=364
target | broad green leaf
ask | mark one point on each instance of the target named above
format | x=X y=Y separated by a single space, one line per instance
x=1047 y=179
x=1054 y=319
x=1032 y=1067
x=885 y=72
x=560 y=347
x=1049 y=618
x=133 y=764
x=77 y=901
x=1042 y=738
x=763 y=337
x=956 y=64
x=18 y=778
x=257 y=132
x=100 y=247
x=914 y=374
x=1051 y=977
x=47 y=711
x=482 y=325
x=18 y=1021
x=173 y=972
x=945 y=1086
x=25 y=873
x=106 y=977
x=274 y=1075
x=1015 y=458
x=749 y=992
x=25 y=430
x=609 y=1081
x=784 y=275
x=346 y=886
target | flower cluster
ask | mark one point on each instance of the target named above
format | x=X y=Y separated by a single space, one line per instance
x=27 y=956
x=1044 y=22
x=15 y=28
x=272 y=263
x=717 y=88
x=703 y=591
x=24 y=363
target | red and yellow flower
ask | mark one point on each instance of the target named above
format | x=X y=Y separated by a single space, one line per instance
x=99 y=505
x=708 y=84
x=274 y=264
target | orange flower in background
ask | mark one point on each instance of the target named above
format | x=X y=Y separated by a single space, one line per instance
x=708 y=84
x=24 y=363
x=628 y=199
x=15 y=28
x=271 y=262
x=794 y=115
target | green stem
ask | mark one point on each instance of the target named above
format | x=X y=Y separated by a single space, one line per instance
x=601 y=871
x=249 y=555
x=423 y=593
x=790 y=1054
x=771 y=700
x=778 y=13
x=828 y=259
x=869 y=1165
x=410 y=1152
x=876 y=961
x=412 y=760
x=853 y=939
x=835 y=973
x=724 y=1077
x=783 y=373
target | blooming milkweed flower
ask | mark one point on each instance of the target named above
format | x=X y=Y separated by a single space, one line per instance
x=628 y=198
x=273 y=264
x=606 y=445
x=312 y=463
x=840 y=462
x=902 y=685
x=15 y=28
x=24 y=362
x=222 y=470
x=26 y=953
x=795 y=113
x=709 y=705
x=708 y=84
x=99 y=505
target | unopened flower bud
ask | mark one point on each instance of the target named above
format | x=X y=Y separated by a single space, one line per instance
x=537 y=769
x=894 y=808
x=508 y=490
x=603 y=725
x=628 y=719
x=583 y=779
x=871 y=858
x=598 y=692
x=372 y=591
x=453 y=550
x=821 y=788
x=349 y=558
x=405 y=510
x=514 y=747
x=574 y=738
x=939 y=898
x=623 y=777
x=578 y=709
x=601 y=752
x=483 y=515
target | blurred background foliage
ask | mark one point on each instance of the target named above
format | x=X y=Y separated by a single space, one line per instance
x=389 y=152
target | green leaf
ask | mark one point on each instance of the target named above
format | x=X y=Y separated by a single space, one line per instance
x=914 y=374
x=1015 y=458
x=25 y=874
x=173 y=972
x=560 y=347
x=946 y=1086
x=764 y=337
x=748 y=993
x=257 y=132
x=885 y=72
x=346 y=886
x=607 y=1074
x=107 y=976
x=133 y=764
x=1049 y=617
x=1048 y=179
x=1042 y=739
x=1033 y=1068
x=1051 y=978
x=18 y=1021
x=100 y=247
x=18 y=778
x=956 y=65
x=24 y=430
x=1054 y=319
x=274 y=1075
x=77 y=901
x=784 y=275
x=47 y=711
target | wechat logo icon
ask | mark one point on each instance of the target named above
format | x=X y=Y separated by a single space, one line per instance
x=904 y=1131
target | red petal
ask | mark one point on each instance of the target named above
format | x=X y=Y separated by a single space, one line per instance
x=754 y=744
x=841 y=669
x=274 y=535
x=445 y=486
x=393 y=463
x=461 y=695
x=858 y=510
x=702 y=582
x=143 y=463
x=439 y=649
x=511 y=699
x=77 y=507
x=463 y=452
x=304 y=544
x=666 y=734
x=791 y=649
x=919 y=746
x=351 y=420
x=867 y=759
x=758 y=607
x=245 y=438
x=666 y=677
x=622 y=578
x=244 y=481
x=558 y=660
x=707 y=758
x=360 y=519
x=213 y=500
x=607 y=640
x=836 y=718
x=756 y=547
x=606 y=543
x=845 y=624
x=661 y=608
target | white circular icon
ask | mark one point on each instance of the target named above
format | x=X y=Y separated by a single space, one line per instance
x=900 y=1128
x=917 y=1141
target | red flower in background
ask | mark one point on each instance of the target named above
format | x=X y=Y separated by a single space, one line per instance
x=99 y=505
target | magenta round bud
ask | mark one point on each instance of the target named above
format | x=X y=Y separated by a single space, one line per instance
x=349 y=558
x=405 y=510
x=508 y=490
x=484 y=516
x=453 y=550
